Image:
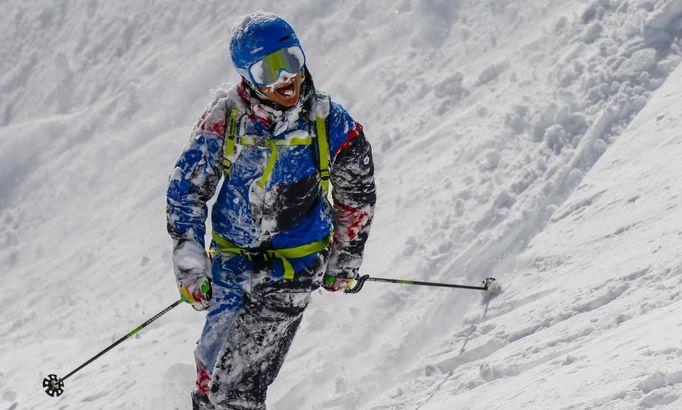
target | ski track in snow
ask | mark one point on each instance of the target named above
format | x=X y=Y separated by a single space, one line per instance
x=532 y=141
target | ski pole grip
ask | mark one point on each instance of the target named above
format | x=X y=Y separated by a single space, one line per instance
x=358 y=286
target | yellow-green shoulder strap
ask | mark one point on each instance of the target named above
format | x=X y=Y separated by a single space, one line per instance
x=321 y=112
x=323 y=148
x=230 y=139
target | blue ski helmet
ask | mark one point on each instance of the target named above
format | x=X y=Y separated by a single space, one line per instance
x=255 y=44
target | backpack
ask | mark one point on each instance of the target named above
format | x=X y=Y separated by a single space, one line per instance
x=321 y=106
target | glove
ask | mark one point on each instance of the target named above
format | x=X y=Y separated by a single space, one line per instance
x=191 y=266
x=197 y=292
x=342 y=281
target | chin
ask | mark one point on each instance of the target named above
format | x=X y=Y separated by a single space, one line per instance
x=289 y=102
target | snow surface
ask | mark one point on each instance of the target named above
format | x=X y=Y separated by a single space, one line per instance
x=534 y=141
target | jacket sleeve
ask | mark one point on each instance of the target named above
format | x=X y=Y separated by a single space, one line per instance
x=354 y=195
x=193 y=182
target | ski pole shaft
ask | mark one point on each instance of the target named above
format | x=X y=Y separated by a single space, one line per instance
x=361 y=282
x=419 y=283
x=127 y=336
x=55 y=384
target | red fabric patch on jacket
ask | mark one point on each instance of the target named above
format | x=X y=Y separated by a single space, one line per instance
x=350 y=220
x=210 y=125
x=352 y=134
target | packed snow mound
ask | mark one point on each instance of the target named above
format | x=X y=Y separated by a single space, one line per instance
x=505 y=146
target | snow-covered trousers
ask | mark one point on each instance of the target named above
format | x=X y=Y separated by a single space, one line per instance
x=251 y=322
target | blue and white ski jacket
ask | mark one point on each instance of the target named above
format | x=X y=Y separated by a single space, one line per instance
x=289 y=209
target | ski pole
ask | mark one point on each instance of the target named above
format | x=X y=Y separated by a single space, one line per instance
x=54 y=385
x=487 y=283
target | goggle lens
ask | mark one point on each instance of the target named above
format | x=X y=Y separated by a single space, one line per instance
x=268 y=70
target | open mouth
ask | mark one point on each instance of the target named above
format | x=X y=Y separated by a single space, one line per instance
x=286 y=90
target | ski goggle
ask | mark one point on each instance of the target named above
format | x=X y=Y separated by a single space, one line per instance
x=268 y=70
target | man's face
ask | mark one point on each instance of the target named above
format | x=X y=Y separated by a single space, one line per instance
x=286 y=93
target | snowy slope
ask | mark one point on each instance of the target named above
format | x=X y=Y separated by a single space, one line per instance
x=590 y=316
x=504 y=143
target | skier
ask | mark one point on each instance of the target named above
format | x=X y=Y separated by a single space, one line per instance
x=278 y=144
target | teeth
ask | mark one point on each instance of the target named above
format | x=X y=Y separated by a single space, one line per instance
x=289 y=91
